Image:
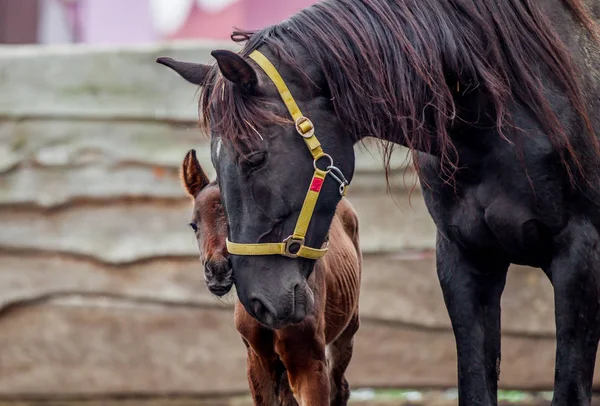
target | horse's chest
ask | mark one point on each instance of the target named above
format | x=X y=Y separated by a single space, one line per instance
x=498 y=222
x=465 y=223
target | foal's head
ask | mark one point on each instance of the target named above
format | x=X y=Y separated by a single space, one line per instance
x=209 y=225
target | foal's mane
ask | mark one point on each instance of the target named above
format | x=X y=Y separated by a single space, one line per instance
x=386 y=64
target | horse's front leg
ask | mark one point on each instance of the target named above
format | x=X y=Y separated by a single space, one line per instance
x=575 y=275
x=472 y=286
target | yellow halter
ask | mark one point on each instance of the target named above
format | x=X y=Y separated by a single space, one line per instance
x=293 y=246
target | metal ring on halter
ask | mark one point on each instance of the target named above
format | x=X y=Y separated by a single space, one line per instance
x=307 y=134
x=288 y=243
x=323 y=156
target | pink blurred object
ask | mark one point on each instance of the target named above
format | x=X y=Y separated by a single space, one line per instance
x=207 y=24
x=261 y=13
x=244 y=14
x=115 y=21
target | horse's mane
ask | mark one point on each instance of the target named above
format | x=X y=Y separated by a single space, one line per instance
x=386 y=65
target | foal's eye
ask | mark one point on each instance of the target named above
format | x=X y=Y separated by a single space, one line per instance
x=255 y=160
x=194 y=227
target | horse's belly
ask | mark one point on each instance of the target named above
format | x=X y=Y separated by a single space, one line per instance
x=336 y=322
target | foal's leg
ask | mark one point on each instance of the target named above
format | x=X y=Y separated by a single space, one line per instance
x=340 y=355
x=263 y=367
x=262 y=379
x=303 y=354
x=575 y=275
x=285 y=395
x=472 y=286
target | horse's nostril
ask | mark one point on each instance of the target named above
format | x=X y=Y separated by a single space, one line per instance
x=258 y=307
x=218 y=271
x=299 y=303
x=262 y=312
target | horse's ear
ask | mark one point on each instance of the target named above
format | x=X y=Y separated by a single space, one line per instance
x=192 y=176
x=194 y=73
x=236 y=69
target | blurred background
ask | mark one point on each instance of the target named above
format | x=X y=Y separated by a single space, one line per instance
x=102 y=299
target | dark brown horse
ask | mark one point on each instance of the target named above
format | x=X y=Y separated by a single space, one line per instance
x=311 y=357
x=499 y=100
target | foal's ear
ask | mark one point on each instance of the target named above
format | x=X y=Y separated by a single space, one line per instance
x=192 y=176
x=194 y=73
x=236 y=69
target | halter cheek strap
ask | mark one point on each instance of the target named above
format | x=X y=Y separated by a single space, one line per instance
x=293 y=246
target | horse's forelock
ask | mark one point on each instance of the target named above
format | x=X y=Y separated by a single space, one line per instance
x=236 y=117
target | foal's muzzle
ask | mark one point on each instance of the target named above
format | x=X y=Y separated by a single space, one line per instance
x=218 y=276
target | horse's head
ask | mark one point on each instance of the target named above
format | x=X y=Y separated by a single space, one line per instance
x=209 y=225
x=266 y=168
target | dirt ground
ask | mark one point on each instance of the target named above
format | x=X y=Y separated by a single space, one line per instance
x=429 y=398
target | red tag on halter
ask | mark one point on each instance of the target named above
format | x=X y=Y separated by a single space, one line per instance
x=316 y=184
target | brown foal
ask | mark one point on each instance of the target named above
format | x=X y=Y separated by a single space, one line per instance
x=305 y=362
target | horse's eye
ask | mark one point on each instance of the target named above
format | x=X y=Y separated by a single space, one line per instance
x=194 y=227
x=254 y=160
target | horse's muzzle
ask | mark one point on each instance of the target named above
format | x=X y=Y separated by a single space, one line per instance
x=287 y=311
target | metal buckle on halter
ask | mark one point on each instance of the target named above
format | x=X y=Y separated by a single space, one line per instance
x=305 y=134
x=337 y=174
x=288 y=243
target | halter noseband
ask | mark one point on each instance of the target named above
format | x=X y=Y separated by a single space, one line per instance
x=293 y=246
